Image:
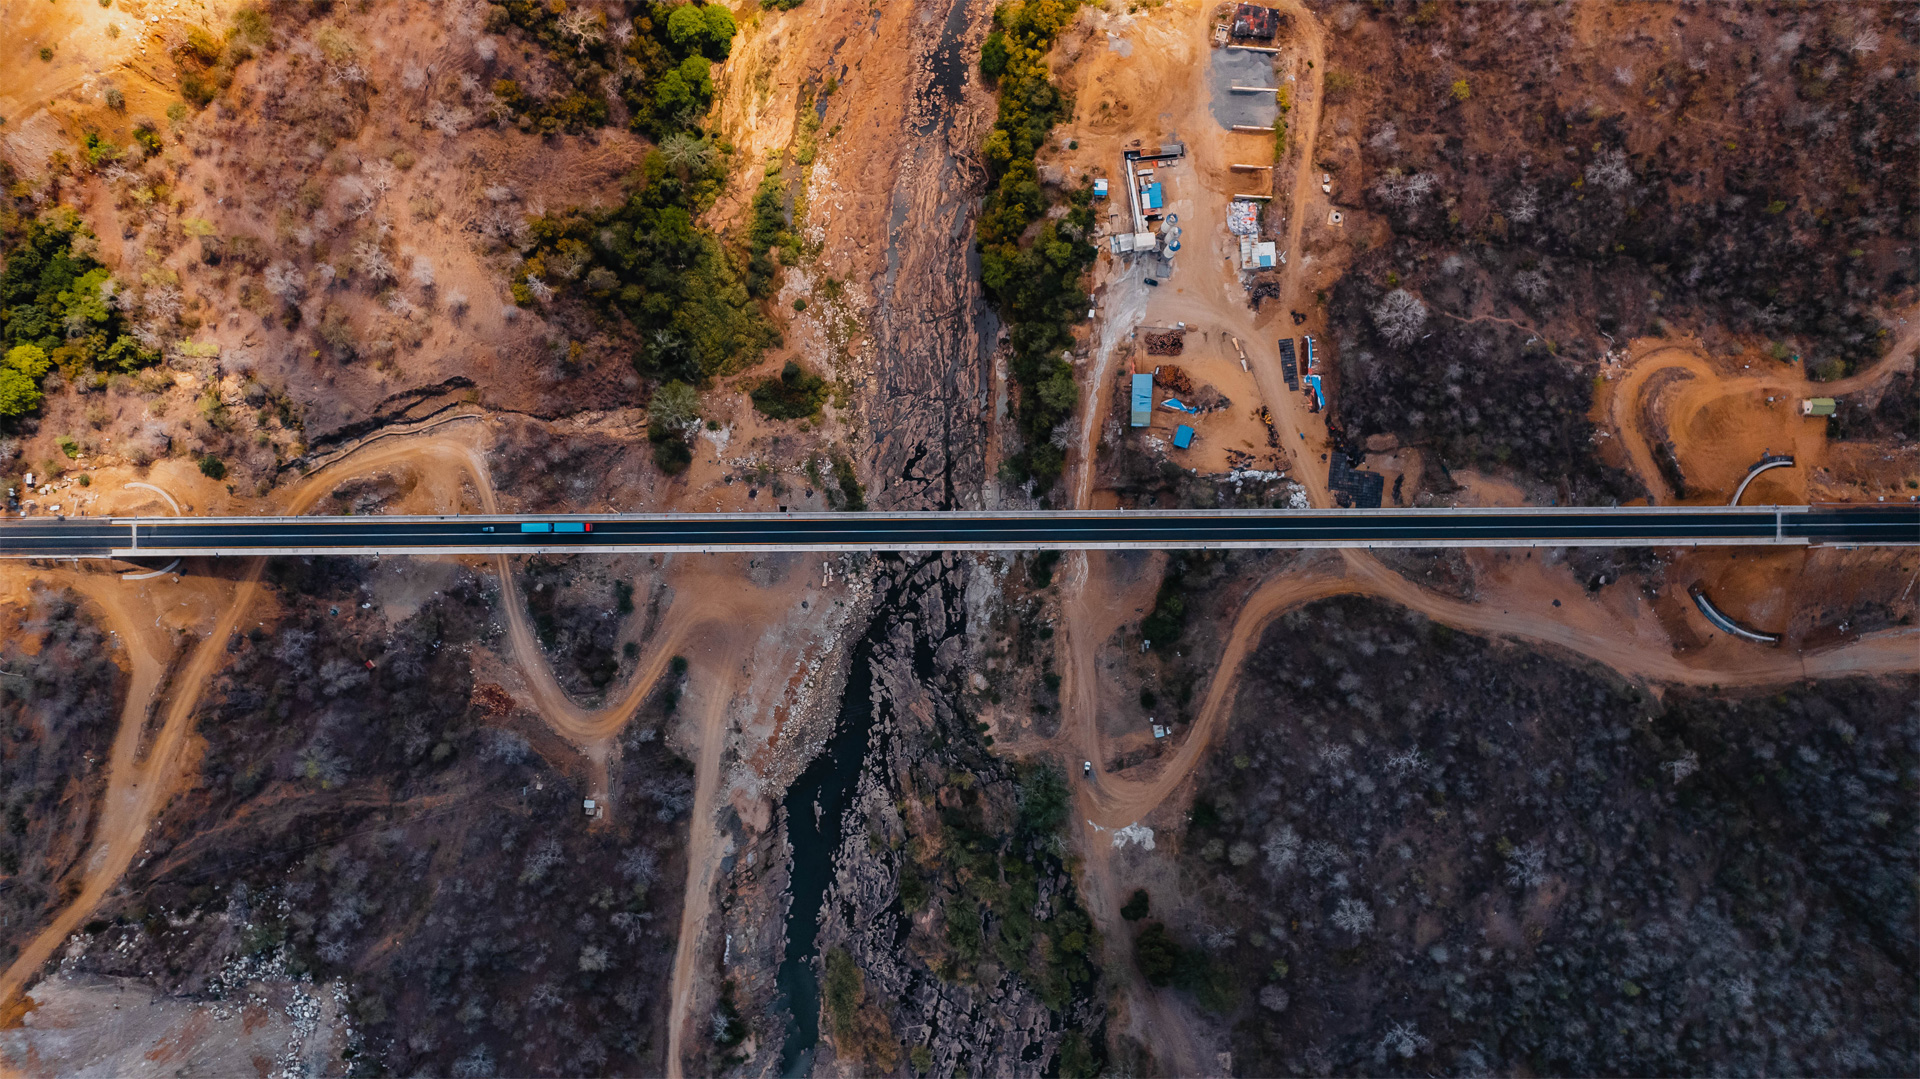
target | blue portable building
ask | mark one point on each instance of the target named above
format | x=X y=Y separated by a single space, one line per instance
x=1142 y=403
x=1182 y=436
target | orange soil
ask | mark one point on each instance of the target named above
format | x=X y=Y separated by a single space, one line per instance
x=1723 y=418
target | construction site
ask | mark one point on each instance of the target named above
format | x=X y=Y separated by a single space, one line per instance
x=1195 y=265
x=905 y=805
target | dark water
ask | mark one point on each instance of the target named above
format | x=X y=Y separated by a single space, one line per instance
x=830 y=781
x=950 y=63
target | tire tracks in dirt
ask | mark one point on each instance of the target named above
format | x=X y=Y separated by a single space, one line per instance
x=139 y=788
x=1626 y=411
x=1116 y=803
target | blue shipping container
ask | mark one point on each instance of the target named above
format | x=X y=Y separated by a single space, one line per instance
x=535 y=526
x=570 y=526
x=1182 y=436
x=1142 y=400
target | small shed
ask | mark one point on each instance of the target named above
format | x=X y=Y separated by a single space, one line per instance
x=1141 y=404
x=1182 y=437
x=1818 y=406
x=1100 y=188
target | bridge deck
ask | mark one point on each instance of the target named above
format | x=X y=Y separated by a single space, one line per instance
x=167 y=537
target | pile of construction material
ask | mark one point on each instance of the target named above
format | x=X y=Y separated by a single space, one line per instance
x=1173 y=379
x=1243 y=218
x=1165 y=344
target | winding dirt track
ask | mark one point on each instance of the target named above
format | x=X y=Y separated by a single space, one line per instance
x=1709 y=385
x=138 y=789
x=1116 y=803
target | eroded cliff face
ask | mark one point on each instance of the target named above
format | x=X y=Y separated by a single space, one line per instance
x=916 y=990
x=933 y=334
x=883 y=111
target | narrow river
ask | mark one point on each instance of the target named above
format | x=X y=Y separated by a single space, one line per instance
x=815 y=804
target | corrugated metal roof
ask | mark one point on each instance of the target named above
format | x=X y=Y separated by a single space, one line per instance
x=1142 y=402
x=1182 y=436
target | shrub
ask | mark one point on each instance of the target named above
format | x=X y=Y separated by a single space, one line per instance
x=212 y=467
x=671 y=451
x=1136 y=906
x=794 y=394
x=851 y=491
x=1157 y=955
x=203 y=46
x=675 y=404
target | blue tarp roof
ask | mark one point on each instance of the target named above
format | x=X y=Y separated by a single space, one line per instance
x=1142 y=405
x=1314 y=381
x=1183 y=436
x=1153 y=196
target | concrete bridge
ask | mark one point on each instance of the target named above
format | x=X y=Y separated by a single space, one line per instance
x=1640 y=526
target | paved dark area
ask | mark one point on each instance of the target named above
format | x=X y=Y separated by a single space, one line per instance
x=1362 y=488
x=1635 y=526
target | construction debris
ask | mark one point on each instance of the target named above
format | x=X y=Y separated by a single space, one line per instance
x=1174 y=379
x=1166 y=344
x=1243 y=218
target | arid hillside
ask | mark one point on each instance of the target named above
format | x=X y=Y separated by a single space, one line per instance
x=1529 y=187
x=1527 y=810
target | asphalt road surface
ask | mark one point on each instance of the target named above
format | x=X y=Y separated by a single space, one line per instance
x=168 y=537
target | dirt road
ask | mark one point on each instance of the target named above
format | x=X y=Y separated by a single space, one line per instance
x=703 y=860
x=1091 y=609
x=1636 y=651
x=1720 y=420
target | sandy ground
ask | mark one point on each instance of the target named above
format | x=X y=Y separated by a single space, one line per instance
x=87 y=1026
x=49 y=104
x=1722 y=415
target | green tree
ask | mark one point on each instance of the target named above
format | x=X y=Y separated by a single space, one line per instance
x=687 y=89
x=1136 y=906
x=1058 y=392
x=1043 y=798
x=720 y=30
x=29 y=360
x=19 y=394
x=993 y=55
x=705 y=28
